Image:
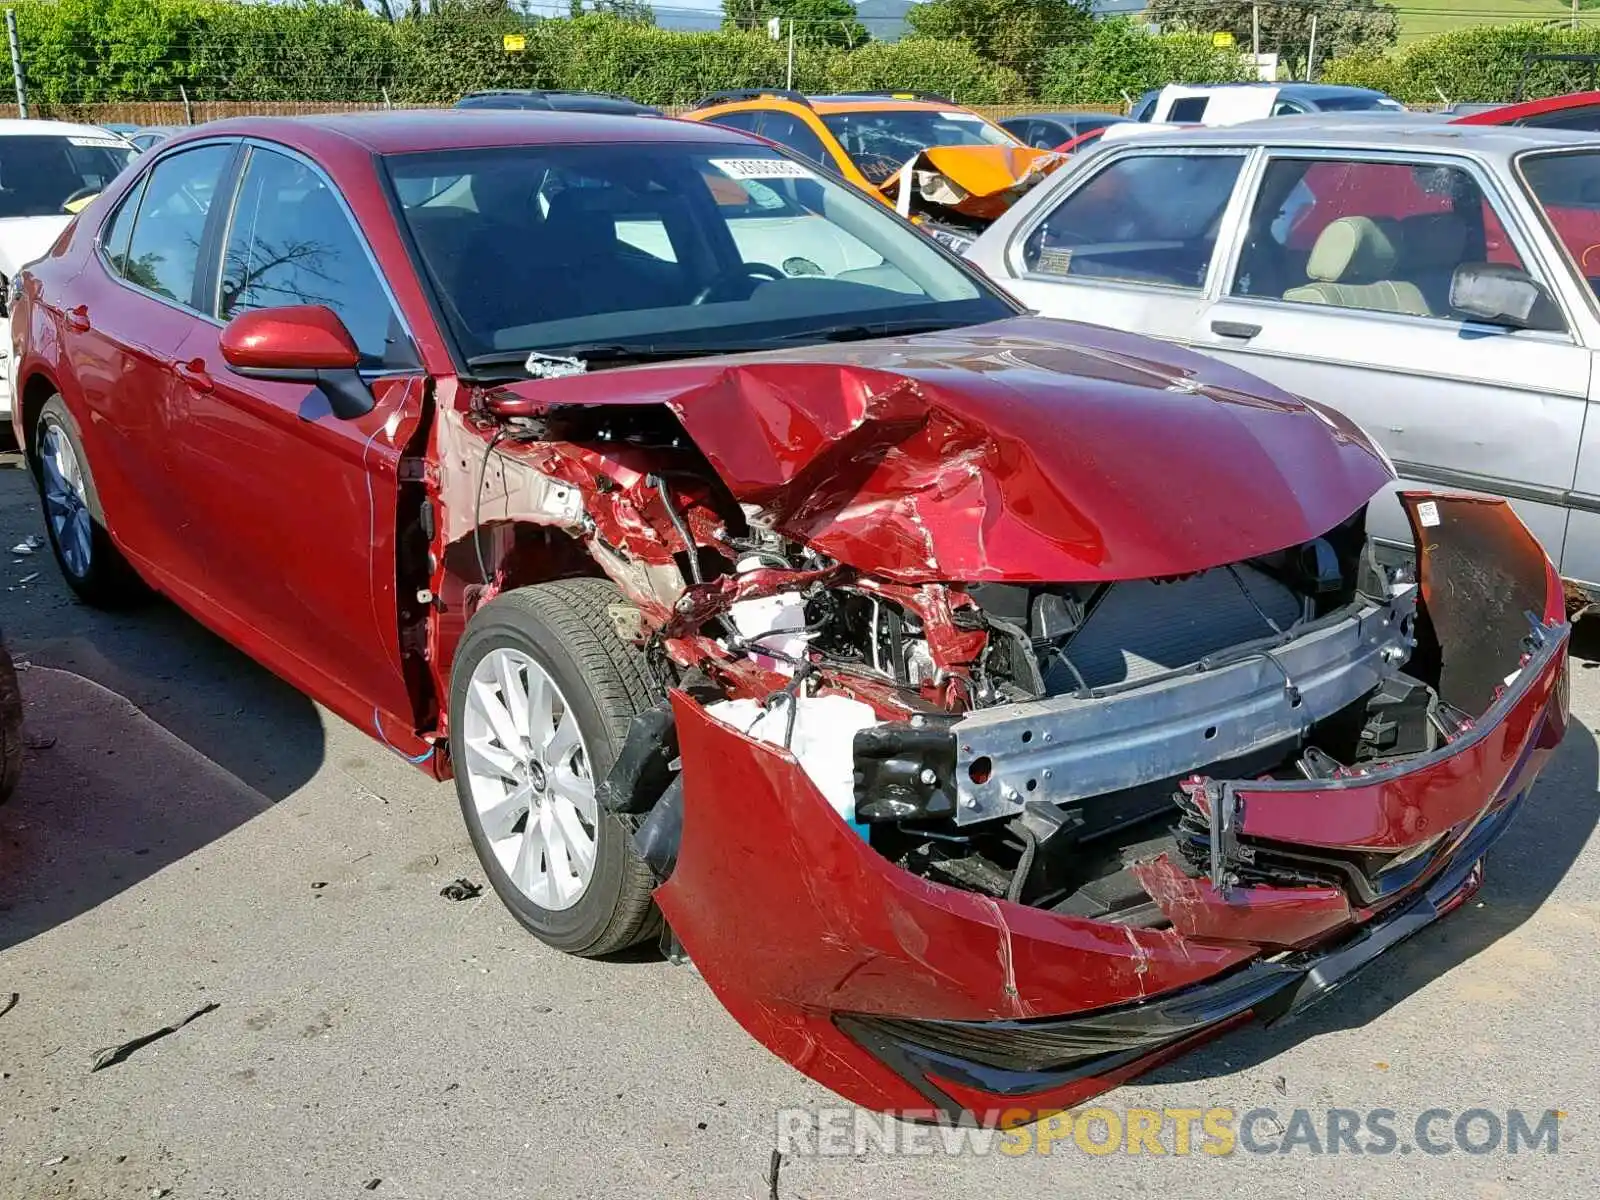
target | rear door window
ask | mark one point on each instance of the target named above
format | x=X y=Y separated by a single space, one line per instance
x=1381 y=236
x=164 y=249
x=1146 y=218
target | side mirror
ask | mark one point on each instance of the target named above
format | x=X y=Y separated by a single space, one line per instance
x=1504 y=295
x=301 y=343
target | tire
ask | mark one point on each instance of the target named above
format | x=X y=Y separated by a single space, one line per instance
x=564 y=631
x=93 y=567
x=10 y=726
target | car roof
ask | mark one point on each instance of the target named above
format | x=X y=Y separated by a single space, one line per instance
x=1306 y=91
x=409 y=131
x=538 y=99
x=1066 y=115
x=1400 y=131
x=1480 y=115
x=845 y=103
x=16 y=127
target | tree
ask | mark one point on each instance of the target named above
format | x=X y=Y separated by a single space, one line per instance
x=1013 y=33
x=816 y=22
x=1343 y=26
x=635 y=12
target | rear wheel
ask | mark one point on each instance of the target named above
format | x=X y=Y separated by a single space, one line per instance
x=542 y=692
x=73 y=519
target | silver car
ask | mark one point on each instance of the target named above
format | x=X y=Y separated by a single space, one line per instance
x=1437 y=283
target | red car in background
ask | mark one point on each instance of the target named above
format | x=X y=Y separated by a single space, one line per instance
x=1576 y=110
x=991 y=707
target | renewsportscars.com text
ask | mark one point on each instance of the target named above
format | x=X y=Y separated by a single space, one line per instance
x=1214 y=1132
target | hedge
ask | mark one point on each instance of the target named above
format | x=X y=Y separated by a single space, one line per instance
x=94 y=51
x=1480 y=64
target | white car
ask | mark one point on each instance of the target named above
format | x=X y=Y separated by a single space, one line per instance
x=48 y=170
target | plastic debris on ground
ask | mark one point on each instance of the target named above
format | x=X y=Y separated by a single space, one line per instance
x=112 y=1055
x=461 y=889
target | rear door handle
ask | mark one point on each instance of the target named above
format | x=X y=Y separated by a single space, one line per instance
x=78 y=318
x=1235 y=329
x=194 y=374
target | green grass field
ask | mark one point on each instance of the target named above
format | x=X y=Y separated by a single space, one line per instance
x=1424 y=18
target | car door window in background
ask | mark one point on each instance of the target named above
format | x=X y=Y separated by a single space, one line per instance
x=1149 y=218
x=290 y=242
x=1376 y=236
x=1567 y=188
x=794 y=133
x=164 y=250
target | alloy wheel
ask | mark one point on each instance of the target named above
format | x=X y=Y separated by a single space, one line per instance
x=528 y=772
x=66 y=500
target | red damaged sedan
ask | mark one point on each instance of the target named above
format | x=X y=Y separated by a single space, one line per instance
x=990 y=707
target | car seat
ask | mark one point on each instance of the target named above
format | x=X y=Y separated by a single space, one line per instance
x=1350 y=267
x=1432 y=246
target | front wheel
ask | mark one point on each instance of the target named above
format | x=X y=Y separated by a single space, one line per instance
x=541 y=695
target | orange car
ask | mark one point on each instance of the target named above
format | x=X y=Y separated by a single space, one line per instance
x=923 y=155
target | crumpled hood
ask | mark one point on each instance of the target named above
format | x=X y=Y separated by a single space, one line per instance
x=1021 y=450
x=977 y=181
x=23 y=239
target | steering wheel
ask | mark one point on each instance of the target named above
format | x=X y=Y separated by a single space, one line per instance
x=744 y=272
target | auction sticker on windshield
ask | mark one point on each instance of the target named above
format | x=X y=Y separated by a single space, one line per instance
x=959 y=116
x=761 y=168
x=105 y=143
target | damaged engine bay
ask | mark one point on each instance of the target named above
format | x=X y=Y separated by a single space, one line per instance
x=1041 y=742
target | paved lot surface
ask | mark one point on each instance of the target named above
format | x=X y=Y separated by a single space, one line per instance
x=199 y=833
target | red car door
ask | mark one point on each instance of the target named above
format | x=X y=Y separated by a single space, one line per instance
x=135 y=308
x=298 y=507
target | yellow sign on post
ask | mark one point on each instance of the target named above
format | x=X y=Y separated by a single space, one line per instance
x=1222 y=40
x=514 y=42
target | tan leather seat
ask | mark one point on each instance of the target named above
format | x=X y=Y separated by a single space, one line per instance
x=1350 y=267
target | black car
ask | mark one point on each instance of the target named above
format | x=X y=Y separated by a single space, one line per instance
x=1046 y=131
x=542 y=101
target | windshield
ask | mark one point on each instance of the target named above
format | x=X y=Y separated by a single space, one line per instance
x=1566 y=188
x=39 y=174
x=665 y=245
x=881 y=141
x=1357 y=103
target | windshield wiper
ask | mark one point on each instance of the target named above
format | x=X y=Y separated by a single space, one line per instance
x=867 y=330
x=553 y=361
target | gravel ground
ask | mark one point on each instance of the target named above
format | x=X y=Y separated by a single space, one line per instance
x=197 y=833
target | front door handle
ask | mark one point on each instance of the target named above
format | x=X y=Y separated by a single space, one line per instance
x=78 y=318
x=1235 y=329
x=194 y=374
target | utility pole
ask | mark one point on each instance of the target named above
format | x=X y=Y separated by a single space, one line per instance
x=1255 y=31
x=16 y=63
x=790 y=84
x=1311 y=51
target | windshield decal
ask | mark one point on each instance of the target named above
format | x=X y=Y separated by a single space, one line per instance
x=103 y=143
x=761 y=168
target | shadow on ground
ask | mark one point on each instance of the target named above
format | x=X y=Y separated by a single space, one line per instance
x=183 y=739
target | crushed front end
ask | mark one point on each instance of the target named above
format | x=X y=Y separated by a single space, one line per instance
x=993 y=768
